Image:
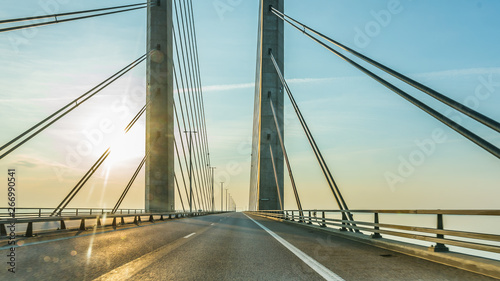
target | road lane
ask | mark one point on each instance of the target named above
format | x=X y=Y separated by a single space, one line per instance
x=88 y=257
x=233 y=249
x=357 y=261
x=216 y=247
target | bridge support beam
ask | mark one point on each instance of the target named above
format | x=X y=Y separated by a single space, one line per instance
x=263 y=191
x=159 y=115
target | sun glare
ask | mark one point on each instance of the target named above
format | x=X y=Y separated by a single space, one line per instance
x=126 y=147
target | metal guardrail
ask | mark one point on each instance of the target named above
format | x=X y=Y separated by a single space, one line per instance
x=46 y=212
x=324 y=219
x=31 y=218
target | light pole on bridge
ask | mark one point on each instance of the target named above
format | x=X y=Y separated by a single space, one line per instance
x=190 y=169
x=221 y=196
x=213 y=200
x=226 y=200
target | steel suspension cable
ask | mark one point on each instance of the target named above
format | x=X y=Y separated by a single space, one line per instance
x=198 y=76
x=56 y=20
x=434 y=113
x=182 y=173
x=69 y=107
x=324 y=167
x=191 y=86
x=179 y=191
x=183 y=119
x=127 y=188
x=276 y=177
x=198 y=99
x=189 y=82
x=94 y=168
x=68 y=14
x=285 y=155
x=81 y=183
x=189 y=121
x=314 y=147
x=438 y=96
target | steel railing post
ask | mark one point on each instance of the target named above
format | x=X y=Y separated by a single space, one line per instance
x=344 y=218
x=376 y=234
x=439 y=247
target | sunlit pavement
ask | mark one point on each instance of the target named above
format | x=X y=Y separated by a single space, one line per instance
x=217 y=247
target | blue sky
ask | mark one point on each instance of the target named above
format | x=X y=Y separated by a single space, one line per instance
x=365 y=131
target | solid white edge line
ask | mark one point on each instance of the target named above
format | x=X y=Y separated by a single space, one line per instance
x=187 y=236
x=312 y=263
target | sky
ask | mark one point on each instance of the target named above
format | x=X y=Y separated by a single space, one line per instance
x=383 y=152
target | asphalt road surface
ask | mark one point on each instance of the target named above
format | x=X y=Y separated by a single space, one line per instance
x=227 y=246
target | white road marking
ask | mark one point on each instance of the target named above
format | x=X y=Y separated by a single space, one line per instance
x=187 y=236
x=212 y=224
x=316 y=266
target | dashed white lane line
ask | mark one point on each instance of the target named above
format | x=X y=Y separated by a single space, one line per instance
x=187 y=236
x=312 y=263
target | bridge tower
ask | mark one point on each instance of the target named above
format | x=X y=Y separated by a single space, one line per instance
x=159 y=115
x=265 y=143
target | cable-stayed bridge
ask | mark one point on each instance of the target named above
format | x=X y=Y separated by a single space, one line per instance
x=181 y=234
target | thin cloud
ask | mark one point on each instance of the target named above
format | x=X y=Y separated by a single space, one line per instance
x=227 y=87
x=436 y=74
x=459 y=72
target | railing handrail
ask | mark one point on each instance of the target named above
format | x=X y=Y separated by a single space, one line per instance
x=478 y=212
x=47 y=212
x=412 y=232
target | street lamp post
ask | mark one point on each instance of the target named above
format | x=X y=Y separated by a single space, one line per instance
x=190 y=170
x=213 y=206
x=221 y=196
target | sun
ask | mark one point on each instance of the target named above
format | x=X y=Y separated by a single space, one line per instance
x=125 y=148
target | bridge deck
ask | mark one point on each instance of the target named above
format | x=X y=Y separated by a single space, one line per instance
x=217 y=247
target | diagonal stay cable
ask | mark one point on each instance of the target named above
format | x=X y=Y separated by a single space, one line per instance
x=179 y=191
x=189 y=81
x=180 y=133
x=186 y=17
x=69 y=13
x=308 y=135
x=199 y=85
x=198 y=76
x=319 y=156
x=179 y=128
x=191 y=120
x=182 y=173
x=56 y=20
x=82 y=182
x=190 y=123
x=438 y=96
x=94 y=167
x=276 y=177
x=127 y=188
x=495 y=151
x=68 y=108
x=285 y=155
